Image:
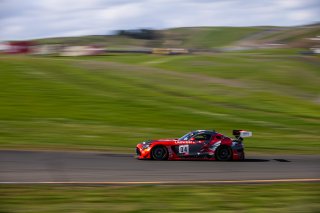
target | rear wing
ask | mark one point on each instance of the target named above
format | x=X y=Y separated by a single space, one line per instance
x=241 y=133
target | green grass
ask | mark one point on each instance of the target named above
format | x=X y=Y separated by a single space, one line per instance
x=302 y=197
x=113 y=102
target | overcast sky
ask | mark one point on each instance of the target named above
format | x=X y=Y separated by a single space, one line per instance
x=27 y=19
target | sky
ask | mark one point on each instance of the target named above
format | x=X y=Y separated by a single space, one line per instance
x=29 y=19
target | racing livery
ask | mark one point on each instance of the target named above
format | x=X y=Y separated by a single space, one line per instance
x=195 y=145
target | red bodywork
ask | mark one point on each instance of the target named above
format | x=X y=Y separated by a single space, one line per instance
x=192 y=148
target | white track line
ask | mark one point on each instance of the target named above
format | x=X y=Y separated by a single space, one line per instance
x=166 y=182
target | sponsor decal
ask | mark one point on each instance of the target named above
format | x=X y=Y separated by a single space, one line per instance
x=185 y=142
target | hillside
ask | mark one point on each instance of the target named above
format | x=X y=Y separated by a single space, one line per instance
x=115 y=101
x=286 y=36
x=202 y=37
x=196 y=37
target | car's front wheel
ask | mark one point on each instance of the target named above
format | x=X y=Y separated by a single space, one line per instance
x=159 y=153
x=223 y=153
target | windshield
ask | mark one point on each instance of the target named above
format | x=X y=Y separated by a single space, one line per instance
x=200 y=133
x=187 y=136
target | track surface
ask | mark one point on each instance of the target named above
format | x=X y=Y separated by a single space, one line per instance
x=42 y=166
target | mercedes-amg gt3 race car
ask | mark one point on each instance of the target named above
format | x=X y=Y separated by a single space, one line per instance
x=195 y=145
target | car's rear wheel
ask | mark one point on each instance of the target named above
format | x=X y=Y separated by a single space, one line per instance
x=242 y=156
x=159 y=153
x=223 y=153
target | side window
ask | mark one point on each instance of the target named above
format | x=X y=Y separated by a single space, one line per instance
x=202 y=137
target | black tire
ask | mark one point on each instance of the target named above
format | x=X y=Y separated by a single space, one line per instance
x=223 y=153
x=159 y=153
x=242 y=157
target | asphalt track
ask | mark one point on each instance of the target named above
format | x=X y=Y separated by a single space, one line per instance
x=99 y=167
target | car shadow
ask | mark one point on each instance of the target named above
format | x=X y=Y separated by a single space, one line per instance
x=254 y=160
x=281 y=160
x=265 y=160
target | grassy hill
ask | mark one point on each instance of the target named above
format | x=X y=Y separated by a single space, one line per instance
x=193 y=37
x=115 y=101
x=202 y=37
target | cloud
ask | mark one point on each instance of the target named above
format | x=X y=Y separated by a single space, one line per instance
x=49 y=18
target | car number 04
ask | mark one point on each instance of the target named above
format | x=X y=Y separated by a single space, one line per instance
x=184 y=149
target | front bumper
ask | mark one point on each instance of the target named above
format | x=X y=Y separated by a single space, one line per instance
x=142 y=152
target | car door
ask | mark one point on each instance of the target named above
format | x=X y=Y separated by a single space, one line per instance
x=197 y=142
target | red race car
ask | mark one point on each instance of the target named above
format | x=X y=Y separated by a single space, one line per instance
x=196 y=145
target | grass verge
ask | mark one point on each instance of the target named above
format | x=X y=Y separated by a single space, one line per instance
x=294 y=197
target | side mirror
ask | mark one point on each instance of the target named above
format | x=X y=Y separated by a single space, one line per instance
x=192 y=139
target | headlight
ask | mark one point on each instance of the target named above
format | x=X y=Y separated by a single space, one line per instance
x=145 y=145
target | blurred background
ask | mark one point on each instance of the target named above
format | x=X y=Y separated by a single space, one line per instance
x=106 y=75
